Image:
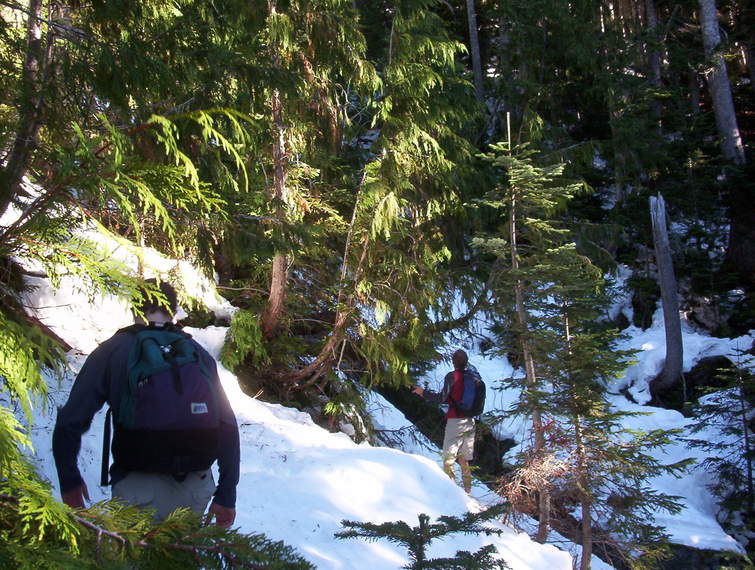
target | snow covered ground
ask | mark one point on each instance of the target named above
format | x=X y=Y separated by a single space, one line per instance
x=298 y=481
x=696 y=524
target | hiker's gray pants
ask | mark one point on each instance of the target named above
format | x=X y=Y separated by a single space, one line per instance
x=163 y=493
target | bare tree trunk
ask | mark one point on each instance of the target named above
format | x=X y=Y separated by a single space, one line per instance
x=654 y=58
x=474 y=51
x=748 y=55
x=275 y=301
x=719 y=86
x=30 y=110
x=279 y=276
x=694 y=93
x=544 y=498
x=585 y=504
x=584 y=501
x=672 y=367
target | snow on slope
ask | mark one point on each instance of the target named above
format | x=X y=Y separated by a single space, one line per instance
x=298 y=481
x=696 y=525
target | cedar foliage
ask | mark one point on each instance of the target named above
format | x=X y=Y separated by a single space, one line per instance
x=90 y=172
x=110 y=535
x=161 y=125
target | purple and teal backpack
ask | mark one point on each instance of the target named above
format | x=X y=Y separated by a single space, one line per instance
x=167 y=416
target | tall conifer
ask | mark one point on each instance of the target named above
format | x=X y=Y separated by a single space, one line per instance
x=549 y=301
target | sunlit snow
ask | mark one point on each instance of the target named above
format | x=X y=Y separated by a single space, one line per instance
x=298 y=481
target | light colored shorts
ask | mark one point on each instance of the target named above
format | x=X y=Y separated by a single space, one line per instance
x=163 y=493
x=458 y=440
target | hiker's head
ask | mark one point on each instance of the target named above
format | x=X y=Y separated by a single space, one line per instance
x=460 y=359
x=152 y=307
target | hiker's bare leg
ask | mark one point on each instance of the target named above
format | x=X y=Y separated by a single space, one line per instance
x=466 y=474
x=448 y=467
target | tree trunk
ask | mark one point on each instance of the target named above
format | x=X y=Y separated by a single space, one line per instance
x=30 y=109
x=544 y=499
x=582 y=466
x=748 y=54
x=694 y=93
x=585 y=504
x=275 y=301
x=672 y=367
x=719 y=86
x=474 y=51
x=654 y=59
x=279 y=275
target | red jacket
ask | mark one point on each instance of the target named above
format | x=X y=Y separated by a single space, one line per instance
x=453 y=390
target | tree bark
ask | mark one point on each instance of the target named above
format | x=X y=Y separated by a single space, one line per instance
x=585 y=505
x=719 y=86
x=279 y=275
x=748 y=54
x=654 y=59
x=694 y=93
x=672 y=367
x=30 y=109
x=474 y=51
x=740 y=254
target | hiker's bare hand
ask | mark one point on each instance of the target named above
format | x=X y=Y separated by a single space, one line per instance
x=224 y=516
x=75 y=497
x=417 y=390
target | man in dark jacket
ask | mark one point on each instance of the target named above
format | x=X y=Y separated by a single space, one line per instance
x=100 y=380
x=458 y=440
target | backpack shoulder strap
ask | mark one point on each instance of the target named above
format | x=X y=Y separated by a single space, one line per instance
x=105 y=471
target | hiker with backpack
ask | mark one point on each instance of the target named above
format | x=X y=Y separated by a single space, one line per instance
x=464 y=392
x=172 y=419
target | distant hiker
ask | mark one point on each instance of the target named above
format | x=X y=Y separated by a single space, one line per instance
x=172 y=420
x=464 y=392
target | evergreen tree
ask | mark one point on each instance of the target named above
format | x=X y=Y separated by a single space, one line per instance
x=528 y=194
x=95 y=174
x=40 y=533
x=578 y=358
x=724 y=417
x=392 y=199
x=417 y=539
x=551 y=298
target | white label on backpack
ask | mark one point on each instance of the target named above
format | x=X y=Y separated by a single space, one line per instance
x=199 y=408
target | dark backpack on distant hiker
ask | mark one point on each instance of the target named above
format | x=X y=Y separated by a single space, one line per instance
x=168 y=418
x=472 y=401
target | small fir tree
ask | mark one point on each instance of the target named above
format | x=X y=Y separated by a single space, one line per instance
x=528 y=194
x=580 y=458
x=725 y=415
x=607 y=466
x=418 y=538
